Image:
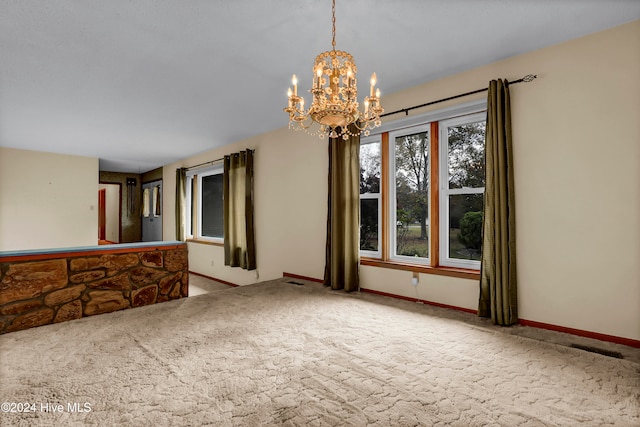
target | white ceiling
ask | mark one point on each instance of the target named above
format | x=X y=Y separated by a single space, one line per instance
x=142 y=83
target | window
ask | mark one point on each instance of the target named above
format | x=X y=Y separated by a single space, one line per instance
x=409 y=155
x=205 y=220
x=461 y=190
x=421 y=191
x=370 y=201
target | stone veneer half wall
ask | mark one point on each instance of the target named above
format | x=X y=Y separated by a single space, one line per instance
x=50 y=286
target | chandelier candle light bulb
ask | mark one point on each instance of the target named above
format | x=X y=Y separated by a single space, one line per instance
x=373 y=84
x=335 y=105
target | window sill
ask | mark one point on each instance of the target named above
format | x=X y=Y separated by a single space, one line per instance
x=461 y=273
x=205 y=242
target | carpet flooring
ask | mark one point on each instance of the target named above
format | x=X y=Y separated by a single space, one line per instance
x=277 y=353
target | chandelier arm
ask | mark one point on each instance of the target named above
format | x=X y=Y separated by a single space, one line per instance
x=301 y=122
x=357 y=125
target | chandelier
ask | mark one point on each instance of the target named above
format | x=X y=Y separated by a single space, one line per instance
x=335 y=97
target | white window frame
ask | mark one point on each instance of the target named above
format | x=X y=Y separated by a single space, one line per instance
x=393 y=215
x=378 y=253
x=445 y=191
x=377 y=139
x=198 y=174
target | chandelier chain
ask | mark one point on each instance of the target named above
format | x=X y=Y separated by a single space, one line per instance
x=333 y=22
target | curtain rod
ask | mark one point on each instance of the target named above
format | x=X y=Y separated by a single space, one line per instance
x=528 y=78
x=210 y=162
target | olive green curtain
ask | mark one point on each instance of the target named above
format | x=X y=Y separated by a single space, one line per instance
x=498 y=279
x=239 y=235
x=343 y=216
x=181 y=191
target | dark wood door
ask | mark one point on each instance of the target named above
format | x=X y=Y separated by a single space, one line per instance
x=102 y=214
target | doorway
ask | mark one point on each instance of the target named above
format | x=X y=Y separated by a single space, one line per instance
x=109 y=213
x=152 y=211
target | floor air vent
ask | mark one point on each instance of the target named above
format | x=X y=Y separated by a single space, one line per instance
x=609 y=353
x=295 y=283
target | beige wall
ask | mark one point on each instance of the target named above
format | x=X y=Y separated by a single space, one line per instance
x=47 y=200
x=577 y=160
x=290 y=206
x=577 y=175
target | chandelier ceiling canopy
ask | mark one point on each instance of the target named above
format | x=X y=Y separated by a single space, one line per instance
x=335 y=97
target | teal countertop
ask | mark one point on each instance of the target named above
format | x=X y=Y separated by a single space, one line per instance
x=76 y=249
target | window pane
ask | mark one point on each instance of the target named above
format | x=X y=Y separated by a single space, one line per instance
x=412 y=194
x=192 y=207
x=466 y=155
x=370 y=168
x=465 y=226
x=369 y=218
x=212 y=210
